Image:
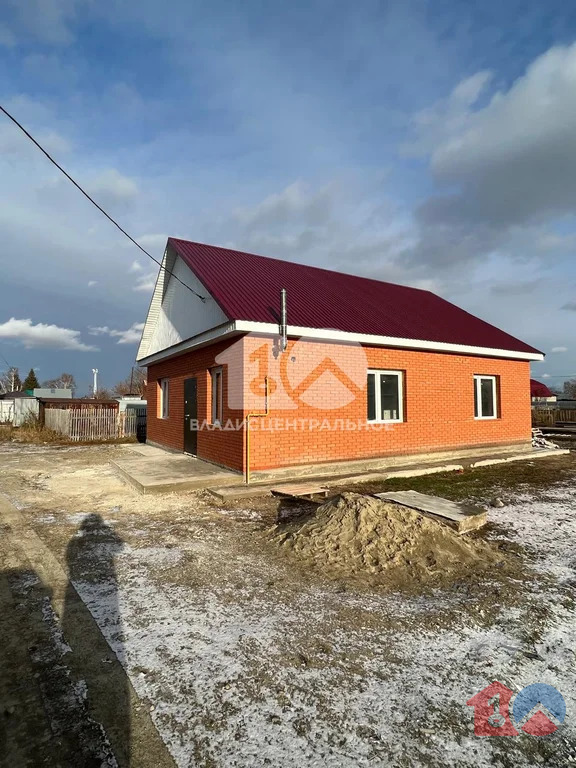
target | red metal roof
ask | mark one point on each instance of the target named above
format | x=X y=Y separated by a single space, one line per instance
x=537 y=389
x=247 y=287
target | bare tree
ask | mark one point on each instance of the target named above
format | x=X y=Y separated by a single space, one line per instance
x=10 y=380
x=570 y=389
x=135 y=384
x=64 y=381
x=103 y=394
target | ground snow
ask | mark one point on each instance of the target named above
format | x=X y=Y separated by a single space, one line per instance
x=227 y=686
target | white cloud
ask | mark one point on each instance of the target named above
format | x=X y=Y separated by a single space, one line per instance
x=506 y=165
x=92 y=283
x=545 y=376
x=7 y=39
x=47 y=20
x=145 y=282
x=346 y=224
x=43 y=335
x=13 y=142
x=559 y=349
x=112 y=187
x=153 y=242
x=135 y=266
x=129 y=336
x=515 y=288
x=295 y=201
x=448 y=117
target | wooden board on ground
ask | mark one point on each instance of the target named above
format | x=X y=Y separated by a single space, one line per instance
x=458 y=515
x=299 y=491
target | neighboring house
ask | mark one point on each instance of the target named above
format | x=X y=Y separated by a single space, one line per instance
x=17 y=407
x=540 y=393
x=566 y=403
x=369 y=370
x=126 y=402
x=53 y=392
x=16 y=393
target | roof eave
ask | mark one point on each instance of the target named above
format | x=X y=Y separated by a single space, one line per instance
x=236 y=327
x=329 y=334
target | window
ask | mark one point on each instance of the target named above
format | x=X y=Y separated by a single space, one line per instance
x=385 y=396
x=485 y=397
x=216 y=375
x=163 y=385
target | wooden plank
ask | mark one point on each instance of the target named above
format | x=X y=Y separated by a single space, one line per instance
x=299 y=490
x=460 y=516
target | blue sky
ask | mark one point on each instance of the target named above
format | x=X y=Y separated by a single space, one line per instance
x=428 y=143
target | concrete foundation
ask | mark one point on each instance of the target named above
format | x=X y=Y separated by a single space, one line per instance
x=153 y=470
x=409 y=470
x=363 y=466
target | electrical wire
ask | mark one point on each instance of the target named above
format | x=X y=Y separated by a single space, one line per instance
x=87 y=196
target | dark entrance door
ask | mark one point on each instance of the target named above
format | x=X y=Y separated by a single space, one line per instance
x=191 y=416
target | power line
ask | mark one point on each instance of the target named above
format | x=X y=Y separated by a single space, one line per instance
x=6 y=361
x=87 y=196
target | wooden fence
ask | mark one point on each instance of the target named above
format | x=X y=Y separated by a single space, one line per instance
x=6 y=411
x=549 y=417
x=93 y=423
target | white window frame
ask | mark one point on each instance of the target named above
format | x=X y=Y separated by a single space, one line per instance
x=478 y=378
x=164 y=410
x=400 y=376
x=216 y=403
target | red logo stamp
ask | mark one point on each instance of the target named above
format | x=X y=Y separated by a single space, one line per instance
x=539 y=709
x=491 y=711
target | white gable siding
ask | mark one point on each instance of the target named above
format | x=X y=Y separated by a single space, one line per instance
x=175 y=312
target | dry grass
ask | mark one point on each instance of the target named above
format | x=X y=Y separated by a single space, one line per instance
x=481 y=483
x=34 y=433
x=29 y=434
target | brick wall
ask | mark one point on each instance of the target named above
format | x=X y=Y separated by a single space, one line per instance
x=221 y=447
x=438 y=402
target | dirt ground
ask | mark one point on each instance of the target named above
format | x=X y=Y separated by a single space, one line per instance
x=170 y=630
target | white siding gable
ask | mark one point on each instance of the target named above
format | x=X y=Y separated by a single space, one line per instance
x=175 y=313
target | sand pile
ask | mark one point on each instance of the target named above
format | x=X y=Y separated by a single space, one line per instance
x=378 y=541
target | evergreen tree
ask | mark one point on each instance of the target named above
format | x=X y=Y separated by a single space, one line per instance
x=30 y=382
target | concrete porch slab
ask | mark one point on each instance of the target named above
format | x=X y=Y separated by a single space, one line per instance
x=152 y=470
x=408 y=469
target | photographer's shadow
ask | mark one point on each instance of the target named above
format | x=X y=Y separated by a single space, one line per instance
x=91 y=570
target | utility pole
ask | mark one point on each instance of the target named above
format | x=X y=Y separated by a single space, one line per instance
x=95 y=385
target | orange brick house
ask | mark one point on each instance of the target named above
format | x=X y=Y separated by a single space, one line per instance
x=363 y=370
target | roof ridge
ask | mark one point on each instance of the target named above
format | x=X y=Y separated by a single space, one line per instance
x=299 y=264
x=246 y=287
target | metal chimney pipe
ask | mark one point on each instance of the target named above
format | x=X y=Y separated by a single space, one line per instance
x=283 y=327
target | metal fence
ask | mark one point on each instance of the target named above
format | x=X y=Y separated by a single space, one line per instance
x=94 y=423
x=549 y=417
